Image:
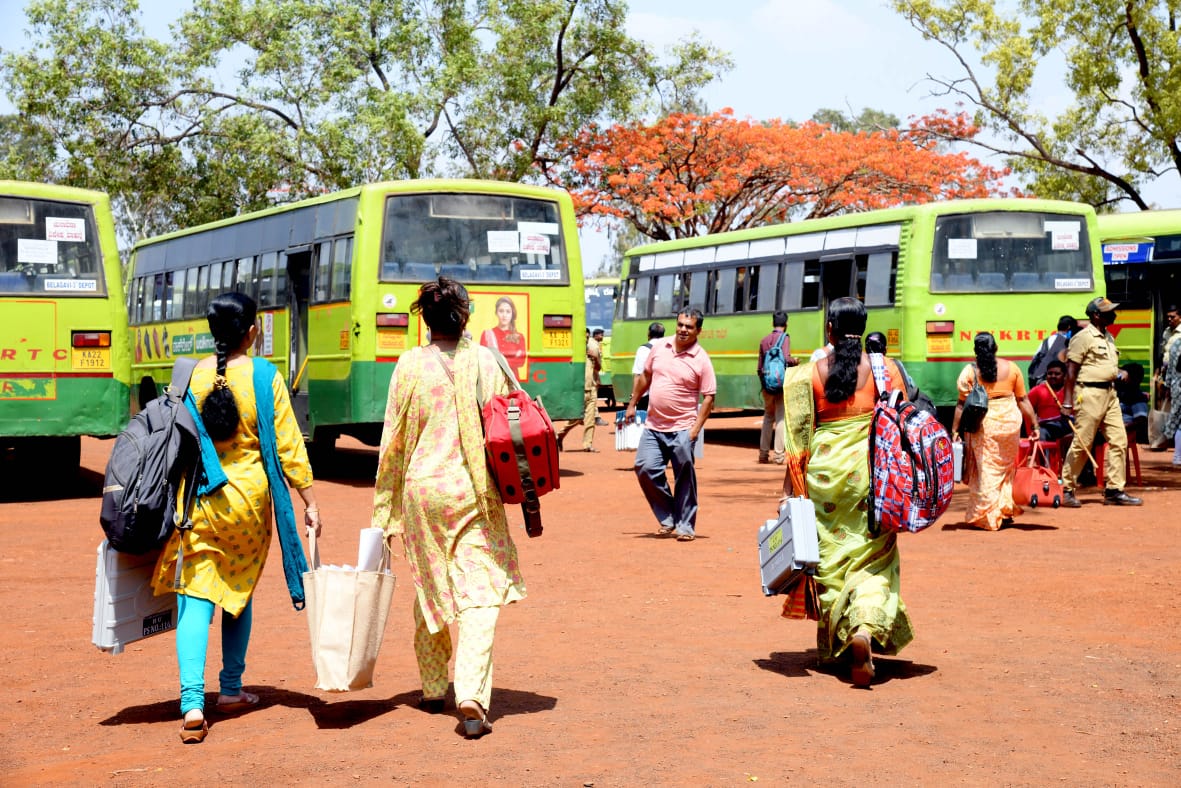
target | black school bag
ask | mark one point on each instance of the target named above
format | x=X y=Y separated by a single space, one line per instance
x=150 y=457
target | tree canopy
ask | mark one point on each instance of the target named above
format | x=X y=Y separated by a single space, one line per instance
x=1119 y=130
x=258 y=98
x=687 y=175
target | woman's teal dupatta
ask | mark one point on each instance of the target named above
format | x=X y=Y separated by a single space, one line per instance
x=212 y=476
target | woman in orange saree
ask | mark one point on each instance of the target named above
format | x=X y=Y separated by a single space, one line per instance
x=990 y=453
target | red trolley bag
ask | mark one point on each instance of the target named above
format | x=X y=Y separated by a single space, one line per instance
x=522 y=448
x=1034 y=484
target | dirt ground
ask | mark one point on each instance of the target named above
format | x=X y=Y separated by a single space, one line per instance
x=1045 y=653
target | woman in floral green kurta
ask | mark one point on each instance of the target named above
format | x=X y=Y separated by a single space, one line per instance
x=434 y=491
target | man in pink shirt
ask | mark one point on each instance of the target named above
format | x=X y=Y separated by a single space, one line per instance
x=676 y=374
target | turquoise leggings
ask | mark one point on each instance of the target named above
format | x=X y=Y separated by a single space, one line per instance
x=194 y=616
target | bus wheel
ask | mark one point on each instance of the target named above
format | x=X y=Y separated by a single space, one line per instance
x=322 y=446
x=147 y=392
x=46 y=463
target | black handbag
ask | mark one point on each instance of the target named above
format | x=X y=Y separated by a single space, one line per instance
x=975 y=406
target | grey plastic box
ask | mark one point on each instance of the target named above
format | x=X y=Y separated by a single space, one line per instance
x=788 y=546
x=125 y=610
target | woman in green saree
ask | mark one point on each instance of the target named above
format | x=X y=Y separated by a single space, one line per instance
x=828 y=406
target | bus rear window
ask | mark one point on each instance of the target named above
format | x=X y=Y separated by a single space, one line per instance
x=1011 y=251
x=49 y=248
x=473 y=238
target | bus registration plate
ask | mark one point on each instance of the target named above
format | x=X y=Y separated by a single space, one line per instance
x=90 y=358
x=556 y=338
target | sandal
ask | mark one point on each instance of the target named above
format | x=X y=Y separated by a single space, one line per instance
x=194 y=732
x=240 y=702
x=475 y=722
x=861 y=648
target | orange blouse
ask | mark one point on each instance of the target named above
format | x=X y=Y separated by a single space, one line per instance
x=863 y=398
x=1012 y=383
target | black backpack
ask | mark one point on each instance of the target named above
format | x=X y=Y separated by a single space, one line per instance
x=150 y=457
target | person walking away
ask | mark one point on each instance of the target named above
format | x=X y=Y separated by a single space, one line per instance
x=678 y=373
x=251 y=449
x=990 y=453
x=829 y=405
x=1052 y=348
x=590 y=393
x=1092 y=367
x=1171 y=376
x=771 y=436
x=434 y=492
x=655 y=331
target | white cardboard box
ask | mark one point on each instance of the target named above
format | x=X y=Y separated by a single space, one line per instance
x=125 y=610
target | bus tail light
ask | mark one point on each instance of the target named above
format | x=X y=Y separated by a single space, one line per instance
x=940 y=326
x=90 y=338
x=393 y=320
x=557 y=321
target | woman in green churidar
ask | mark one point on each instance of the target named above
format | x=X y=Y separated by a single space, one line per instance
x=251 y=449
x=829 y=404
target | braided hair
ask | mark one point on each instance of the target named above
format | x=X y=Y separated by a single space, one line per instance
x=846 y=316
x=443 y=304
x=985 y=348
x=230 y=317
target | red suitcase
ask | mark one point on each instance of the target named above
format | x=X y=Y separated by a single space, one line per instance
x=1036 y=485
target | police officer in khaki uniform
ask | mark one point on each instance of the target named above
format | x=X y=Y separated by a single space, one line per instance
x=1092 y=367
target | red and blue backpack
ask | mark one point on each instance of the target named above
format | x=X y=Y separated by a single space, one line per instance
x=911 y=461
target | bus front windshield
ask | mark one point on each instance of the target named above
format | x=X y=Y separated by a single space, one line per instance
x=1011 y=251
x=473 y=238
x=50 y=248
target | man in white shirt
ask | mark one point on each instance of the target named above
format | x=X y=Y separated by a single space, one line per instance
x=655 y=331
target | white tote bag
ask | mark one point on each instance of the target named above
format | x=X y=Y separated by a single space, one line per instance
x=347 y=611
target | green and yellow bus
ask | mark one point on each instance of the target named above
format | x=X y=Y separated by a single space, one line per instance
x=334 y=277
x=1142 y=266
x=65 y=362
x=931 y=277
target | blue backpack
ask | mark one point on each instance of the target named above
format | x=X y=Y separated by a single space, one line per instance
x=775 y=365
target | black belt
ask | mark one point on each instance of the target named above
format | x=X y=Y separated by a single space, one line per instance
x=1106 y=385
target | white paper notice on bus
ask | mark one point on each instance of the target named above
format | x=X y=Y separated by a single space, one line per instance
x=961 y=248
x=36 y=252
x=544 y=274
x=1072 y=284
x=268 y=333
x=539 y=228
x=63 y=229
x=71 y=286
x=505 y=241
x=534 y=243
x=1063 y=236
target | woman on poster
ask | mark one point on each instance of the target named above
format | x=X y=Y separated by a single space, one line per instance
x=505 y=337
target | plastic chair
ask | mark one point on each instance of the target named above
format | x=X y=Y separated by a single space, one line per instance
x=460 y=273
x=1027 y=280
x=418 y=272
x=992 y=280
x=959 y=282
x=1132 y=458
x=1052 y=451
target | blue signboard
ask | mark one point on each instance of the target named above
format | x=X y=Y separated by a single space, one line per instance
x=1124 y=253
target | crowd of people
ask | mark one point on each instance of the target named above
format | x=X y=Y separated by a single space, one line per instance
x=450 y=521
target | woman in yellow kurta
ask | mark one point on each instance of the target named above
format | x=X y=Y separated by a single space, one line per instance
x=990 y=453
x=829 y=404
x=434 y=491
x=226 y=549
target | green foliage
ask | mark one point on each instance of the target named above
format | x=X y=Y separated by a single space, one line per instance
x=254 y=98
x=868 y=120
x=1122 y=62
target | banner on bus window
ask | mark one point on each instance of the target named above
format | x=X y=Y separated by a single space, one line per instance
x=1122 y=253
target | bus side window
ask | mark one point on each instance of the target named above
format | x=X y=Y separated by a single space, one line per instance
x=246 y=281
x=176 y=305
x=191 y=285
x=342 y=269
x=662 y=302
x=810 y=287
x=791 y=295
x=640 y=298
x=725 y=281
x=875 y=278
x=323 y=278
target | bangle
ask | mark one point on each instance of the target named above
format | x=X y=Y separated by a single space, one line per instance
x=311 y=510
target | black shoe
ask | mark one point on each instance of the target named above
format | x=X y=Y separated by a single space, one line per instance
x=431 y=705
x=1070 y=502
x=1121 y=498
